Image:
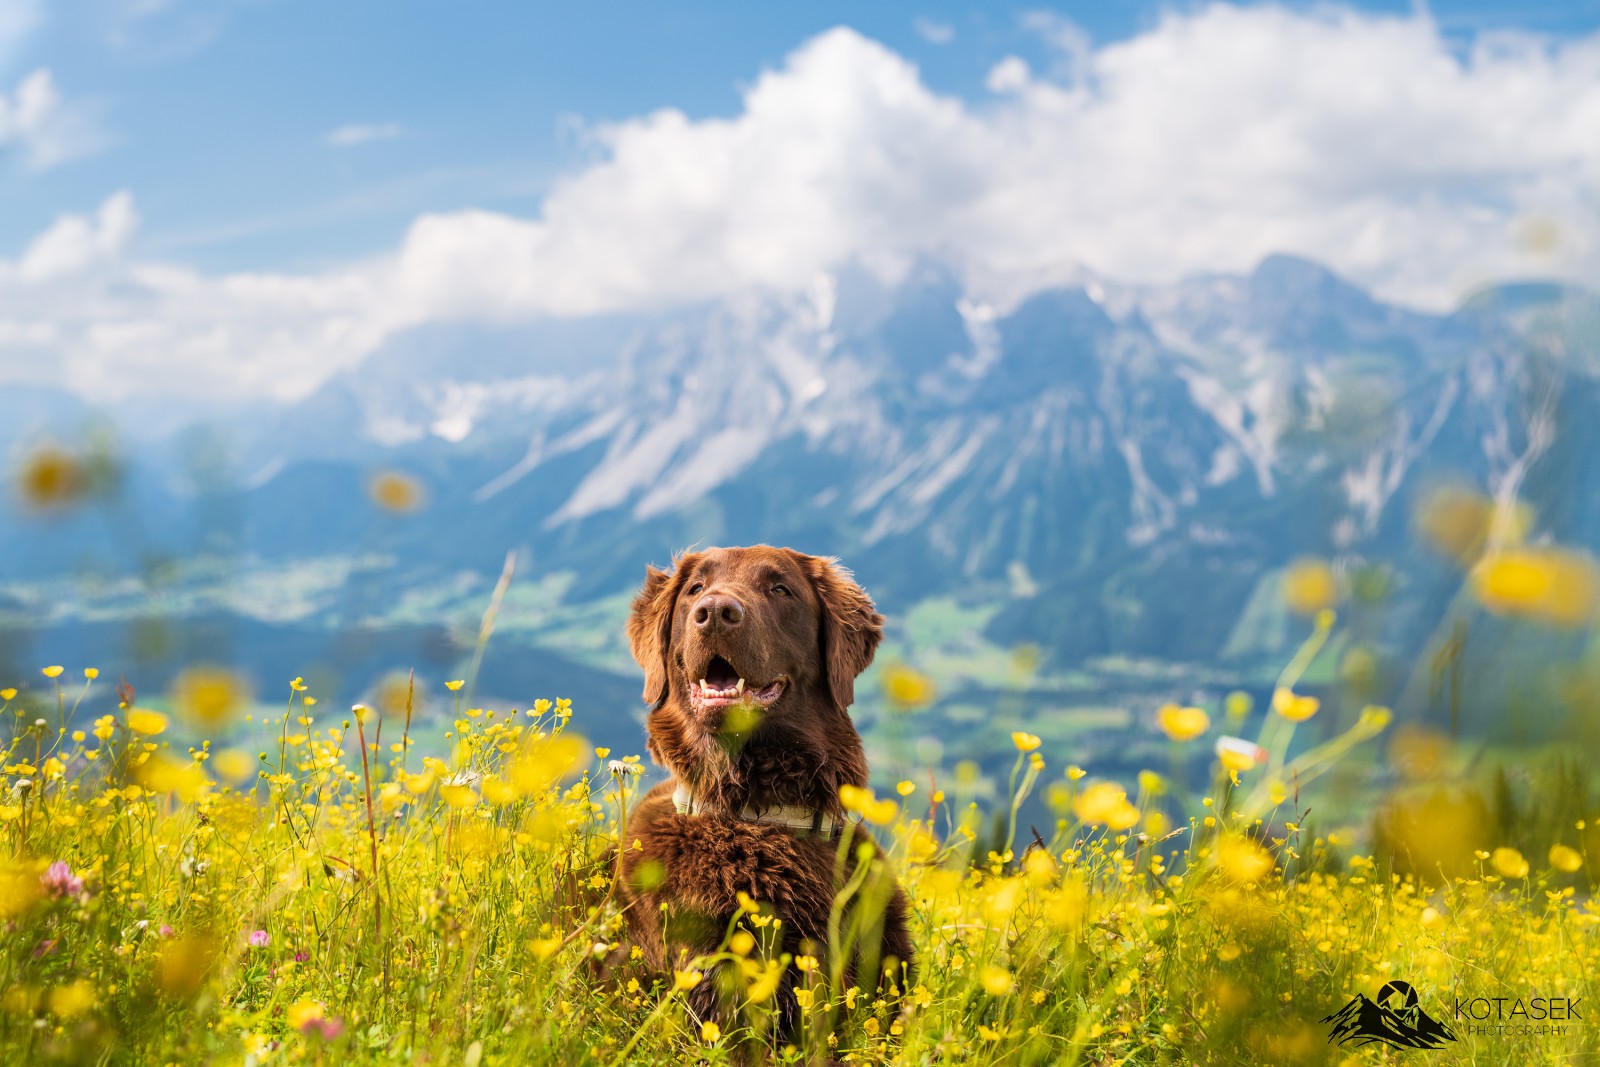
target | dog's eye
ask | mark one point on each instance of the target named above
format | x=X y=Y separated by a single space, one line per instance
x=780 y=590
x=696 y=587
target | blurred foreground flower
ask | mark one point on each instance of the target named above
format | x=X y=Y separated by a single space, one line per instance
x=52 y=479
x=1432 y=831
x=1309 y=586
x=396 y=491
x=1565 y=859
x=1461 y=524
x=1558 y=586
x=182 y=966
x=1420 y=753
x=1182 y=724
x=1106 y=803
x=1242 y=859
x=907 y=688
x=147 y=722
x=869 y=807
x=1509 y=862
x=209 y=696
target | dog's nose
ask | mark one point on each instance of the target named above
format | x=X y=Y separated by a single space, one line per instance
x=717 y=612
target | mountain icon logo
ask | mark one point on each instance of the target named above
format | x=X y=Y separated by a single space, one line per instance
x=1363 y=1021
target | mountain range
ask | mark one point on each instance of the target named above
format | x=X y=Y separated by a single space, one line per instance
x=1115 y=475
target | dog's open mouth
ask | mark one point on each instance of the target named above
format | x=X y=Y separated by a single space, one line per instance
x=722 y=686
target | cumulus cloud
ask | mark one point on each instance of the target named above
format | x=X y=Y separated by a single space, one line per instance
x=75 y=312
x=46 y=131
x=1214 y=138
x=349 y=136
x=1204 y=144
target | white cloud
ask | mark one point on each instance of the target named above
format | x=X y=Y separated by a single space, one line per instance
x=933 y=31
x=46 y=131
x=74 y=243
x=1214 y=138
x=349 y=136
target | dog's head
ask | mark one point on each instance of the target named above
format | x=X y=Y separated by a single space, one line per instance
x=752 y=638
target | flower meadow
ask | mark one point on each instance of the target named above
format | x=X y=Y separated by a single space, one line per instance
x=335 y=897
x=315 y=888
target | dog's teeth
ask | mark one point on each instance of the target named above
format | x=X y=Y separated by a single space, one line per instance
x=740 y=688
x=703 y=686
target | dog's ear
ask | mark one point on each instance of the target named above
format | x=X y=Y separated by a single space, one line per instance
x=650 y=623
x=851 y=626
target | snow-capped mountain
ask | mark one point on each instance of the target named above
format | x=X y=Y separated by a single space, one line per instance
x=1120 y=468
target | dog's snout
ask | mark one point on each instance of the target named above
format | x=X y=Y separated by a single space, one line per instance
x=717 y=613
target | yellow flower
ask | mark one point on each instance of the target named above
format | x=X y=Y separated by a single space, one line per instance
x=710 y=1032
x=906 y=688
x=1309 y=586
x=52 y=478
x=145 y=721
x=458 y=796
x=72 y=1000
x=869 y=807
x=91 y=673
x=1242 y=859
x=183 y=964
x=1565 y=859
x=544 y=948
x=52 y=672
x=1460 y=523
x=396 y=491
x=209 y=696
x=8 y=694
x=544 y=761
x=1236 y=754
x=1238 y=705
x=303 y=1012
x=905 y=789
x=1292 y=706
x=1106 y=803
x=1025 y=742
x=1509 y=862
x=683 y=981
x=455 y=685
x=1557 y=586
x=996 y=981
x=234 y=764
x=1182 y=724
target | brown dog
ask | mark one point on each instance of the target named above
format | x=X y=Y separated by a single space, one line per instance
x=750 y=658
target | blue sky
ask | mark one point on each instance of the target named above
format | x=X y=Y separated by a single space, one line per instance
x=303 y=140
x=215 y=113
